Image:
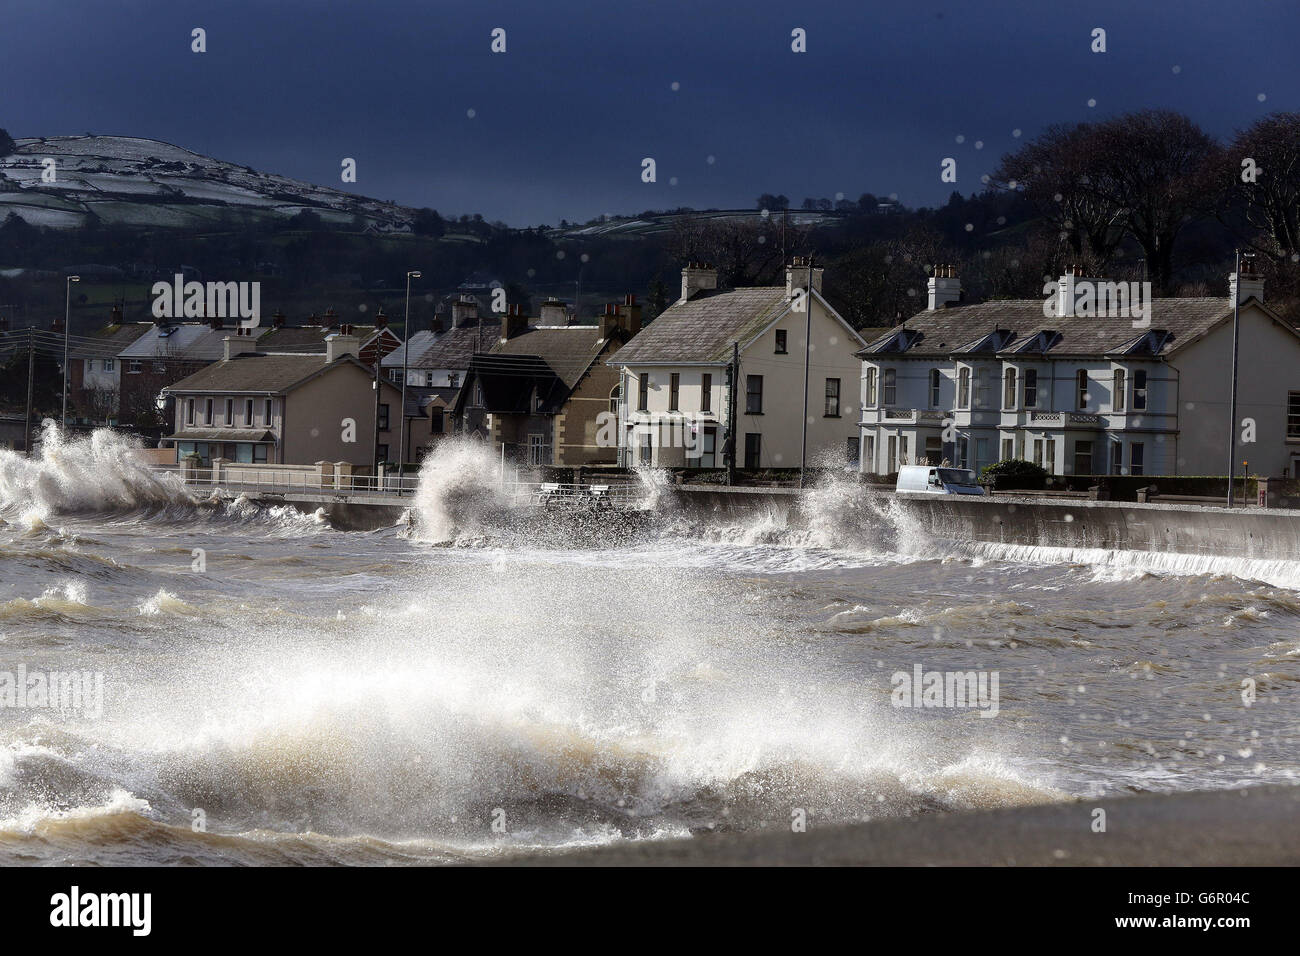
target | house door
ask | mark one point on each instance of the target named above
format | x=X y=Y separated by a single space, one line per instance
x=753 y=441
x=709 y=448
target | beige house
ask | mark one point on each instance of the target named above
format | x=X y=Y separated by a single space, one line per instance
x=544 y=392
x=677 y=404
x=285 y=408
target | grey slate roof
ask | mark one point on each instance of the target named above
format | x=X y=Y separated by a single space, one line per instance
x=110 y=340
x=189 y=342
x=306 y=338
x=967 y=328
x=261 y=373
x=222 y=434
x=455 y=347
x=567 y=350
x=417 y=343
x=703 y=328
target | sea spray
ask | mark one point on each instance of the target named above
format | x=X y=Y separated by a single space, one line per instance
x=104 y=472
x=460 y=488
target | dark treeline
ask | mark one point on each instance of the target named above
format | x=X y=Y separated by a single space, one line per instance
x=1144 y=195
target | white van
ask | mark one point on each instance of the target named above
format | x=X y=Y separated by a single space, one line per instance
x=927 y=479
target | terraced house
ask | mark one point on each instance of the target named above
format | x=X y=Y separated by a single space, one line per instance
x=1082 y=395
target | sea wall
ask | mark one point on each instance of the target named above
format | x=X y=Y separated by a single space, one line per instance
x=1271 y=534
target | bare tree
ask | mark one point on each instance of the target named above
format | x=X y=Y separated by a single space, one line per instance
x=1264 y=165
x=1159 y=168
x=1051 y=171
x=745 y=251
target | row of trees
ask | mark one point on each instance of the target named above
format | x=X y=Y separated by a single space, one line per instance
x=1148 y=177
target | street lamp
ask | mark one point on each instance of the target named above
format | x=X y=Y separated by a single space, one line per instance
x=406 y=355
x=67 y=316
x=1232 y=395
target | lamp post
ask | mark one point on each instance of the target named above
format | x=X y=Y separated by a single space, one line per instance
x=1232 y=395
x=406 y=355
x=67 y=316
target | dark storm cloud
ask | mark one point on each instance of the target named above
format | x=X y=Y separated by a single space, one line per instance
x=563 y=119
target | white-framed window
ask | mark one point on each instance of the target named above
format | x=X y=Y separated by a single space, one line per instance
x=1117 y=458
x=1139 y=389
x=963 y=387
x=1081 y=389
x=207 y=411
x=981 y=389
x=889 y=386
x=1136 y=458
x=248 y=413
x=266 y=413
x=936 y=377
x=1008 y=449
x=108 y=365
x=1031 y=388
x=832 y=398
x=189 y=411
x=870 y=391
x=1117 y=392
x=539 y=450
x=230 y=411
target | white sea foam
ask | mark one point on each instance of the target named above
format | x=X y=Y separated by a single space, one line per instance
x=101 y=473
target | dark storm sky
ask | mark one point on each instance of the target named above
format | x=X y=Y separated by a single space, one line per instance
x=563 y=119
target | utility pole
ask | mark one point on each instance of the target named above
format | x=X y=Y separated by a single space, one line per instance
x=807 y=349
x=31 y=378
x=406 y=357
x=375 y=451
x=67 y=319
x=1232 y=395
x=729 y=446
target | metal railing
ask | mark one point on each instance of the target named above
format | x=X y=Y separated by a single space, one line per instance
x=569 y=494
x=286 y=480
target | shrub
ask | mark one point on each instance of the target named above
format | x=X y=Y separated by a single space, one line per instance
x=1015 y=473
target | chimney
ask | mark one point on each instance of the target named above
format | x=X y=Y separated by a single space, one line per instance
x=553 y=313
x=340 y=344
x=513 y=322
x=609 y=320
x=238 y=344
x=328 y=320
x=464 y=311
x=277 y=320
x=799 y=273
x=697 y=277
x=436 y=325
x=57 y=325
x=943 y=288
x=1250 y=284
x=115 y=317
x=629 y=314
x=381 y=320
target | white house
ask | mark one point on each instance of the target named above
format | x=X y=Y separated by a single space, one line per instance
x=1082 y=394
x=440 y=357
x=676 y=402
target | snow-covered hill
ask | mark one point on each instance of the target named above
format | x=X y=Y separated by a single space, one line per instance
x=145 y=182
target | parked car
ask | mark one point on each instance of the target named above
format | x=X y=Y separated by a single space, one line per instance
x=929 y=480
